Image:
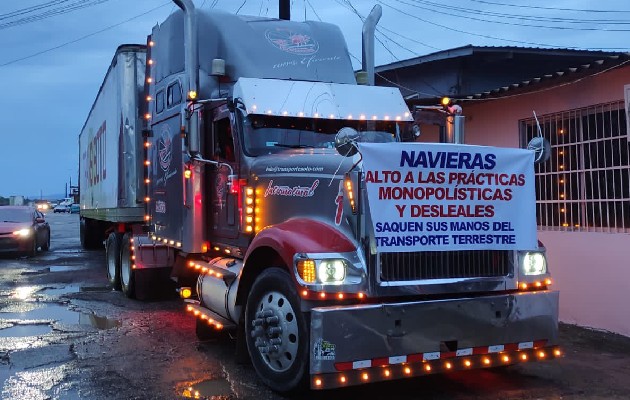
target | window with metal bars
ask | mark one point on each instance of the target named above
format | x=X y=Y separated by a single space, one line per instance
x=586 y=184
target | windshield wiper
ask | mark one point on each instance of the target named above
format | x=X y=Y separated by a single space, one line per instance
x=294 y=146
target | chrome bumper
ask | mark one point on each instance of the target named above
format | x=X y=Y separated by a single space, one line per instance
x=351 y=338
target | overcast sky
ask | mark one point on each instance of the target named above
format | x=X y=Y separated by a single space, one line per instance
x=51 y=66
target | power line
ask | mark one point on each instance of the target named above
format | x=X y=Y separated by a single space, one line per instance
x=50 y=13
x=486 y=36
x=549 y=8
x=30 y=9
x=526 y=17
x=82 y=37
x=467 y=16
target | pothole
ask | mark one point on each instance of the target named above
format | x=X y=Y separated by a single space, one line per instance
x=25 y=330
x=61 y=314
x=64 y=268
x=208 y=389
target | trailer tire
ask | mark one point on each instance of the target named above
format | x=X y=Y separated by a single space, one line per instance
x=127 y=273
x=272 y=303
x=113 y=256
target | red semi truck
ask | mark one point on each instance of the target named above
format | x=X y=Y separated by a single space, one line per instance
x=237 y=158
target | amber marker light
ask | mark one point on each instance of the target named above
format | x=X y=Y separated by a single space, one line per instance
x=427 y=368
x=557 y=352
x=448 y=365
x=523 y=286
x=304 y=293
x=387 y=373
x=322 y=295
x=365 y=376
x=407 y=370
x=192 y=95
x=342 y=379
x=486 y=361
x=187 y=173
x=340 y=296
x=361 y=295
x=318 y=382
x=506 y=359
x=541 y=354
x=524 y=357
x=186 y=293
x=547 y=281
x=307 y=270
x=467 y=363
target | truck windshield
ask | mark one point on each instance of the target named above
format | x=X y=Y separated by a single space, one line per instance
x=263 y=134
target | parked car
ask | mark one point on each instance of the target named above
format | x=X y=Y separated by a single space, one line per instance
x=74 y=209
x=23 y=229
x=61 y=208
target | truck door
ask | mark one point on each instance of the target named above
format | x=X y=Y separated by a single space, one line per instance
x=224 y=205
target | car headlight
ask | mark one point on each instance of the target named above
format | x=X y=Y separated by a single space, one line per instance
x=534 y=264
x=327 y=271
x=23 y=232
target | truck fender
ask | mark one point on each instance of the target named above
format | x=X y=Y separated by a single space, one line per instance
x=278 y=244
x=301 y=235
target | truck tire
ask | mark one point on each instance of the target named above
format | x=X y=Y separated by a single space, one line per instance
x=127 y=273
x=112 y=253
x=277 y=332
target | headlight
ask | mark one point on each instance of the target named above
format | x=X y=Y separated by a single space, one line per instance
x=534 y=264
x=23 y=232
x=331 y=271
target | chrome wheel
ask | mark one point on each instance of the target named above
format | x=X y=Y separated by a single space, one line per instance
x=276 y=331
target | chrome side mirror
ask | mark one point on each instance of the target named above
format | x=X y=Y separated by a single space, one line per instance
x=541 y=148
x=346 y=141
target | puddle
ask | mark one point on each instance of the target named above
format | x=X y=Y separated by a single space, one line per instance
x=61 y=290
x=98 y=322
x=63 y=315
x=63 y=268
x=208 y=389
x=25 y=292
x=25 y=330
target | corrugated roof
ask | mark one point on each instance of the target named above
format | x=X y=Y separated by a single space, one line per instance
x=585 y=63
x=557 y=77
x=469 y=50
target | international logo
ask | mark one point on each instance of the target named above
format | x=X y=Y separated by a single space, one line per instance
x=292 y=42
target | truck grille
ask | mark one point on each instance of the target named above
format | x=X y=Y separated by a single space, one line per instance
x=444 y=264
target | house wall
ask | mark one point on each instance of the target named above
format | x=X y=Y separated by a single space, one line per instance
x=591 y=270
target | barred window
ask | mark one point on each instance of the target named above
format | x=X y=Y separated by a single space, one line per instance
x=586 y=183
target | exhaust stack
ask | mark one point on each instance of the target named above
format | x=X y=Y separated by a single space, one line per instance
x=369 y=35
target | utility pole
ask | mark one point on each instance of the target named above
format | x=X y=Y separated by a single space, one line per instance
x=284 y=9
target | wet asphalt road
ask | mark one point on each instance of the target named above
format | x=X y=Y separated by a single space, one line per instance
x=64 y=334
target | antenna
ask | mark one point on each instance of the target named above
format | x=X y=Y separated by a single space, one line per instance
x=537 y=124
